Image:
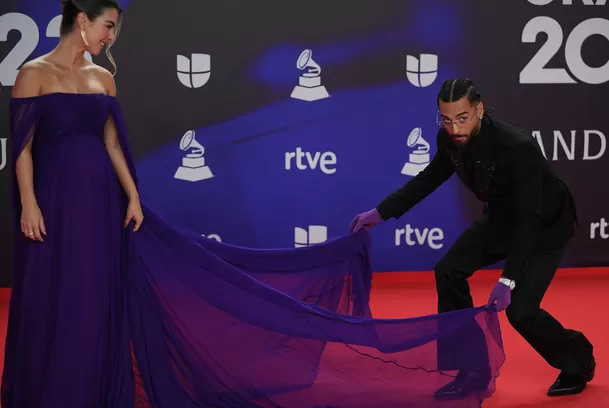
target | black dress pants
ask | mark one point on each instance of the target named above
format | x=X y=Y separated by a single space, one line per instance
x=564 y=349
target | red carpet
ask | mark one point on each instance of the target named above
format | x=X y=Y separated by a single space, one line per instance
x=579 y=298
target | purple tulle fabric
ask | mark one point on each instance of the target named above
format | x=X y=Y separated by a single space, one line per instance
x=101 y=316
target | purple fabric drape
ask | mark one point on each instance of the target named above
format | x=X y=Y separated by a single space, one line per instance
x=101 y=316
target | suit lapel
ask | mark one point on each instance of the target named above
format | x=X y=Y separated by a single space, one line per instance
x=456 y=157
x=485 y=162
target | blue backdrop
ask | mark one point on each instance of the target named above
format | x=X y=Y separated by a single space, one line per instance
x=304 y=112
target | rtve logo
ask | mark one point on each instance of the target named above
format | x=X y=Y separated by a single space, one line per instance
x=601 y=228
x=424 y=237
x=326 y=161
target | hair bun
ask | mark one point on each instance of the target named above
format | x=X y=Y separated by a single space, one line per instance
x=72 y=3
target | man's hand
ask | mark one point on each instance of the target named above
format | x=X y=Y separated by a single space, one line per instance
x=502 y=295
x=365 y=220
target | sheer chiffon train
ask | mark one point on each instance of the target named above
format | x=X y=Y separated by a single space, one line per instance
x=101 y=316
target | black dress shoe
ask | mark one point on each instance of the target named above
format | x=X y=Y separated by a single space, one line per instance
x=463 y=385
x=570 y=384
x=567 y=384
x=590 y=370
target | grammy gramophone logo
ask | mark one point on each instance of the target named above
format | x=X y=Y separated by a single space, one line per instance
x=309 y=86
x=193 y=166
x=419 y=157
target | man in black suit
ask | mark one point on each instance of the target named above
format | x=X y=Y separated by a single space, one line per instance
x=528 y=219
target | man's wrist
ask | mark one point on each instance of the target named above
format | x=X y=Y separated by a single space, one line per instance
x=383 y=212
x=510 y=283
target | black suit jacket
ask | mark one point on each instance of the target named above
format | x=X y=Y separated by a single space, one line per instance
x=526 y=204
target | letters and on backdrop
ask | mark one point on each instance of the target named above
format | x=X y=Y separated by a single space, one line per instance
x=271 y=124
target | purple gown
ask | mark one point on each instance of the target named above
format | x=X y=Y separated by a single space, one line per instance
x=104 y=317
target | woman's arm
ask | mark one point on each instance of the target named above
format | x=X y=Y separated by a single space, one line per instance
x=119 y=163
x=28 y=84
x=118 y=160
x=114 y=148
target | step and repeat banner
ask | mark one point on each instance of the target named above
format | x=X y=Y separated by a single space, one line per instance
x=271 y=123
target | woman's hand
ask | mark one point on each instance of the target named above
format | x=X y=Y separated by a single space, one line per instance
x=32 y=223
x=134 y=212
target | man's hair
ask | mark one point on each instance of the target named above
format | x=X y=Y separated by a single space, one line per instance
x=455 y=89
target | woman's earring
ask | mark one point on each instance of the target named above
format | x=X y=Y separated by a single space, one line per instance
x=84 y=36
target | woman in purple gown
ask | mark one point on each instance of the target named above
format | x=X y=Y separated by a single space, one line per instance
x=114 y=307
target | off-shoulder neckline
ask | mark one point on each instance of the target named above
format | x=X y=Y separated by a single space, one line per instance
x=63 y=94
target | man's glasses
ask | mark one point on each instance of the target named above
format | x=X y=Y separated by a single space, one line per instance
x=463 y=120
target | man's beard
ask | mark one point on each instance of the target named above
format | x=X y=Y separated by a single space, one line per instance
x=469 y=137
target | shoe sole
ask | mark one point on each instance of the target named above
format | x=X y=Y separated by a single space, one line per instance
x=566 y=393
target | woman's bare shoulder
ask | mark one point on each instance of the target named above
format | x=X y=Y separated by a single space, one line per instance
x=30 y=78
x=104 y=76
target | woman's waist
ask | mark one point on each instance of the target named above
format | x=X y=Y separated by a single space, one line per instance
x=79 y=160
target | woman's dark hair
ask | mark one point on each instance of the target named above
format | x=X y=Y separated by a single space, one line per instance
x=93 y=9
x=454 y=89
